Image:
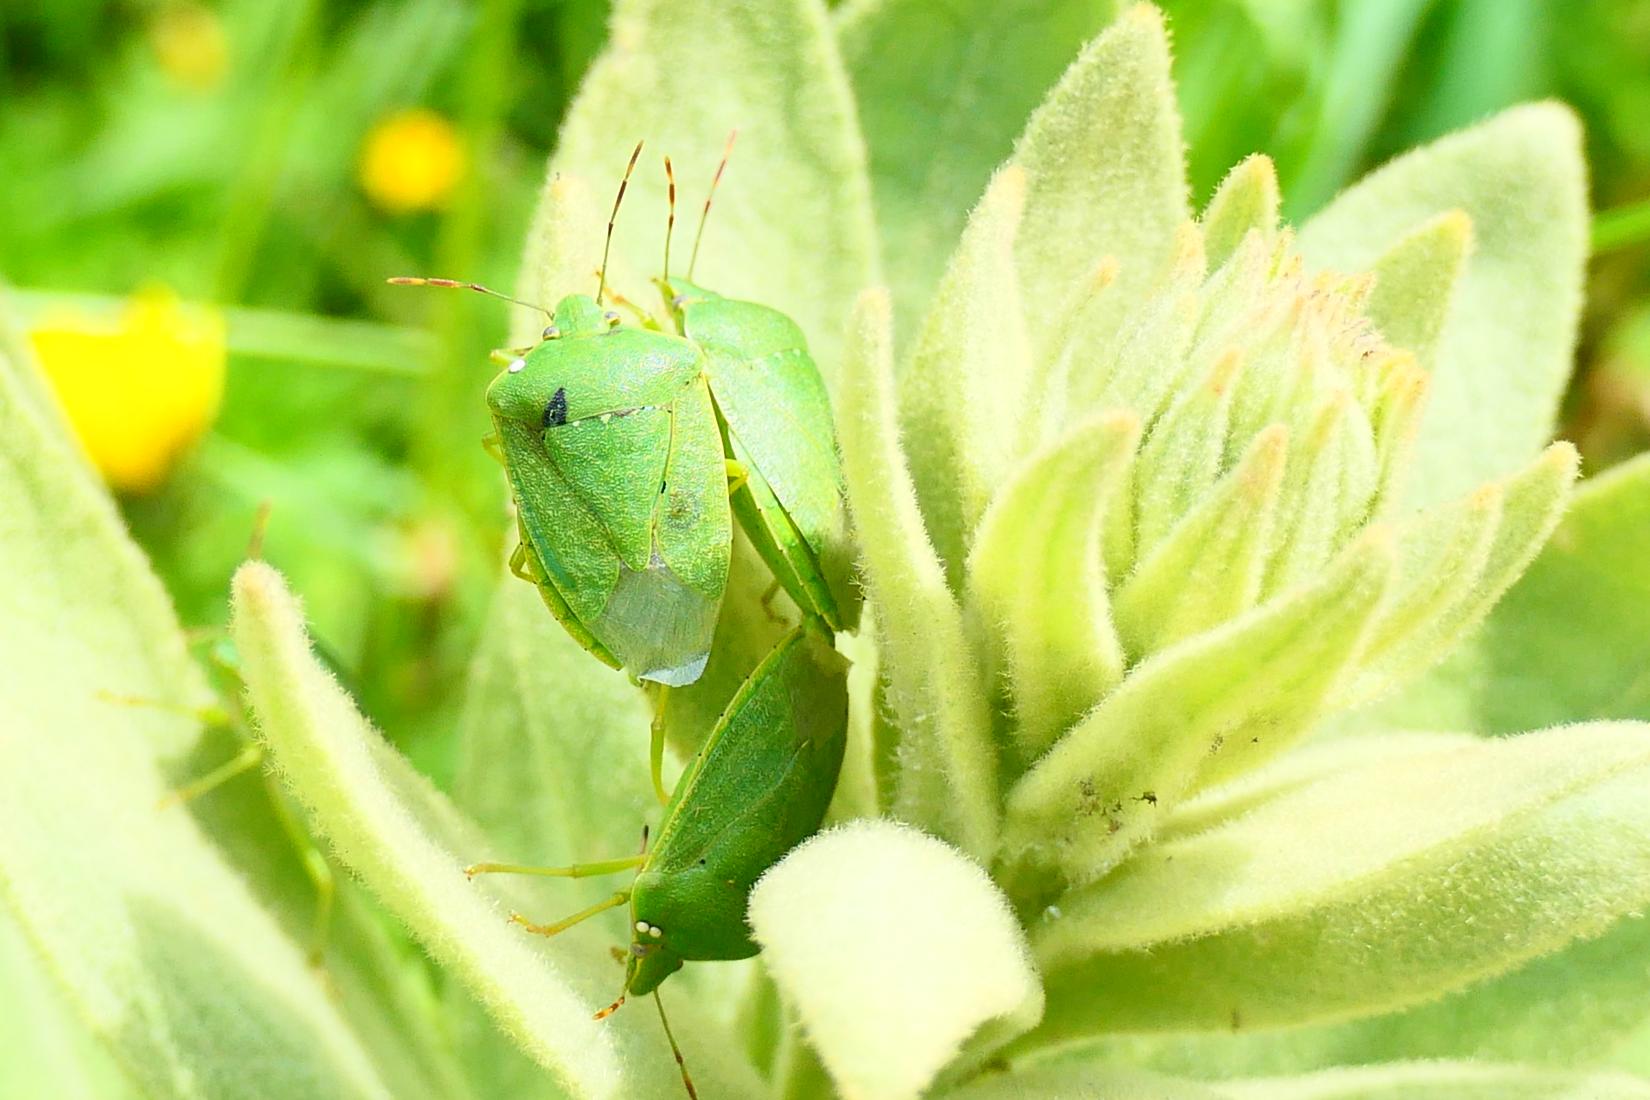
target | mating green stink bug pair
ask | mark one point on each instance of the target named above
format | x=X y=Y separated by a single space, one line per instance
x=757 y=787
x=623 y=444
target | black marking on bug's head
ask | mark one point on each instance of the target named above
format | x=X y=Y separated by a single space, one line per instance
x=555 y=413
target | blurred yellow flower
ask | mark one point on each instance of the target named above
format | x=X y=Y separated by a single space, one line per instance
x=411 y=160
x=190 y=45
x=138 y=389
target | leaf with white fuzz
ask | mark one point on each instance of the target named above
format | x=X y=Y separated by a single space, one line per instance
x=1264 y=676
x=1504 y=353
x=154 y=942
x=1037 y=583
x=792 y=226
x=1184 y=453
x=1443 y=1081
x=963 y=392
x=1247 y=199
x=942 y=92
x=1415 y=284
x=1590 y=586
x=1326 y=491
x=1533 y=500
x=333 y=761
x=1209 y=567
x=1066 y=1081
x=1368 y=889
x=894 y=948
x=947 y=762
x=1106 y=166
x=566 y=232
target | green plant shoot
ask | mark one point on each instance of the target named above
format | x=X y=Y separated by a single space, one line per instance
x=623 y=443
x=757 y=787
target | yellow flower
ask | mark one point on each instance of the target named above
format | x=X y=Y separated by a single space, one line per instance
x=190 y=45
x=410 y=161
x=138 y=390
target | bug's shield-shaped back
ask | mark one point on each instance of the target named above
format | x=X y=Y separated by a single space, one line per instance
x=779 y=426
x=623 y=507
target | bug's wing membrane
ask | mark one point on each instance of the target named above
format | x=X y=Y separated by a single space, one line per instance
x=778 y=415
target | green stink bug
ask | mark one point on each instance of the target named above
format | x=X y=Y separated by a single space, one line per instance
x=620 y=443
x=758 y=785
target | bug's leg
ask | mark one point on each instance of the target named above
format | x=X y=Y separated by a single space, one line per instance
x=521 y=566
x=494 y=446
x=244 y=761
x=643 y=317
x=768 y=596
x=687 y=1081
x=209 y=715
x=737 y=475
x=613 y=902
x=573 y=870
x=316 y=868
x=656 y=745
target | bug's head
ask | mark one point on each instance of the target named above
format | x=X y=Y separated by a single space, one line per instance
x=534 y=388
x=650 y=962
x=580 y=315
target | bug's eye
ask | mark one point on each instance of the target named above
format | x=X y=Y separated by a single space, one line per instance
x=550 y=332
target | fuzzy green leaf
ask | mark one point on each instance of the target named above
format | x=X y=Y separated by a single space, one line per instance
x=1443 y=1081
x=336 y=764
x=1246 y=199
x=1037 y=584
x=1106 y=171
x=159 y=943
x=1071 y=1082
x=942 y=92
x=1591 y=588
x=1504 y=353
x=1208 y=568
x=1531 y=503
x=563 y=245
x=792 y=224
x=1580 y=1006
x=1415 y=284
x=947 y=761
x=863 y=928
x=45 y=1050
x=1102 y=787
x=963 y=395
x=1343 y=897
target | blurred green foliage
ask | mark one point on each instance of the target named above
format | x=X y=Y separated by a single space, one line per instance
x=215 y=150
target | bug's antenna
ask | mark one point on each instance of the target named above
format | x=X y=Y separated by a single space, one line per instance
x=693 y=1093
x=454 y=284
x=727 y=151
x=601 y=276
x=670 y=219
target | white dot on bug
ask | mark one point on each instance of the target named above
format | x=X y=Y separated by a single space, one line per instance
x=641 y=926
x=655 y=931
x=517 y=366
